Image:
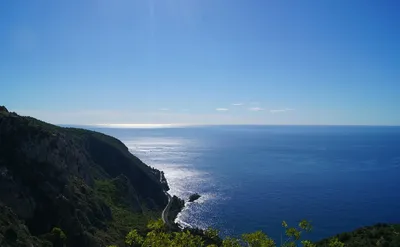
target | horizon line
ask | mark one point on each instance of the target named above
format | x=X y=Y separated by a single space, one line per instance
x=180 y=125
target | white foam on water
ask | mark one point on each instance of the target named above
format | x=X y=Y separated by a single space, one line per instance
x=174 y=157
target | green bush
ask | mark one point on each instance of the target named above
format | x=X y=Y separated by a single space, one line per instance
x=159 y=236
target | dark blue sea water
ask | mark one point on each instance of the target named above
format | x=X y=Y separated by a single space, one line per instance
x=253 y=177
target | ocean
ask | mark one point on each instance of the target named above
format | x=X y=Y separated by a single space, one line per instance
x=254 y=177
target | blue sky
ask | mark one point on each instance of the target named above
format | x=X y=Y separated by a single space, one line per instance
x=190 y=61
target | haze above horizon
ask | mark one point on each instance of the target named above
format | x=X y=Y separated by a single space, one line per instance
x=201 y=62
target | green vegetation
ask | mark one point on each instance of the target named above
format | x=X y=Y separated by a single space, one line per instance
x=13 y=232
x=58 y=233
x=133 y=238
x=56 y=237
x=378 y=235
x=381 y=235
x=159 y=236
x=86 y=183
x=125 y=215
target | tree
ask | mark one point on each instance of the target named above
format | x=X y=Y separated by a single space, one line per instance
x=212 y=234
x=258 y=239
x=58 y=237
x=334 y=242
x=294 y=234
x=158 y=237
x=186 y=239
x=156 y=225
x=307 y=243
x=231 y=242
x=133 y=238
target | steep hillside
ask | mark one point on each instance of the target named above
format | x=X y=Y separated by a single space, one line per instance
x=369 y=236
x=84 y=182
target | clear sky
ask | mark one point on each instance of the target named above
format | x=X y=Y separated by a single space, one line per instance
x=202 y=61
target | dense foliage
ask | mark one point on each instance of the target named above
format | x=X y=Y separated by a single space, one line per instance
x=159 y=236
x=378 y=235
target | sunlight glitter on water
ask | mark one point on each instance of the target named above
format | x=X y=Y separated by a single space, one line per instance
x=138 y=126
x=174 y=156
x=251 y=178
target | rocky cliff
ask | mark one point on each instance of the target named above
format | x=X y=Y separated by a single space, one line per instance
x=86 y=183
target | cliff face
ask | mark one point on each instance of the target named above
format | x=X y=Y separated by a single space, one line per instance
x=74 y=179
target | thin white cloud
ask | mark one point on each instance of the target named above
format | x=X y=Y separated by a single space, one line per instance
x=237 y=104
x=256 y=109
x=163 y=109
x=281 y=110
x=222 y=109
